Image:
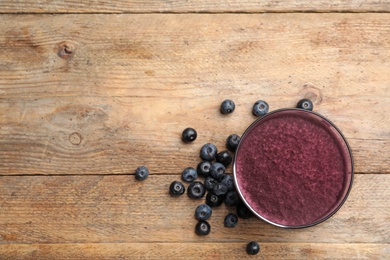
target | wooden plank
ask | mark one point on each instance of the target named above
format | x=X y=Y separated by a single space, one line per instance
x=96 y=135
x=180 y=6
x=77 y=100
x=194 y=251
x=118 y=209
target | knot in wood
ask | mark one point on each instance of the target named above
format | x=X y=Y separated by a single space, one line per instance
x=65 y=50
x=75 y=138
x=311 y=92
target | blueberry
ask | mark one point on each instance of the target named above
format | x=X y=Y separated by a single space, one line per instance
x=189 y=134
x=227 y=106
x=141 y=173
x=202 y=228
x=231 y=198
x=253 y=248
x=189 y=174
x=209 y=183
x=260 y=108
x=228 y=181
x=208 y=152
x=196 y=190
x=220 y=189
x=176 y=188
x=224 y=157
x=305 y=104
x=232 y=142
x=243 y=212
x=217 y=171
x=231 y=220
x=213 y=200
x=203 y=212
x=203 y=168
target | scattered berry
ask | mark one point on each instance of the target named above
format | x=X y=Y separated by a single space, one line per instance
x=208 y=152
x=213 y=200
x=231 y=198
x=141 y=173
x=243 y=212
x=217 y=171
x=227 y=106
x=224 y=157
x=202 y=228
x=253 y=248
x=228 y=181
x=305 y=104
x=189 y=174
x=209 y=183
x=260 y=108
x=203 y=212
x=196 y=190
x=231 y=220
x=189 y=134
x=232 y=142
x=220 y=189
x=203 y=168
x=176 y=188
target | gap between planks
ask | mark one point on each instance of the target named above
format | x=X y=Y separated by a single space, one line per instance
x=205 y=12
x=128 y=174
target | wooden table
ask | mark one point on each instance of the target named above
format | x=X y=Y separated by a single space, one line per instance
x=90 y=91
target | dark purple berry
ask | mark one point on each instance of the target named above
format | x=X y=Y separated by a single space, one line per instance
x=176 y=188
x=213 y=200
x=232 y=142
x=203 y=168
x=189 y=134
x=141 y=173
x=224 y=157
x=189 y=174
x=220 y=189
x=227 y=106
x=253 y=248
x=243 y=212
x=202 y=228
x=231 y=220
x=208 y=152
x=203 y=212
x=260 y=108
x=228 y=181
x=231 y=198
x=305 y=104
x=217 y=171
x=209 y=183
x=196 y=190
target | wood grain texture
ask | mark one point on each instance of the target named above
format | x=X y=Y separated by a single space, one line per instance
x=194 y=251
x=102 y=94
x=118 y=209
x=86 y=98
x=181 y=6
